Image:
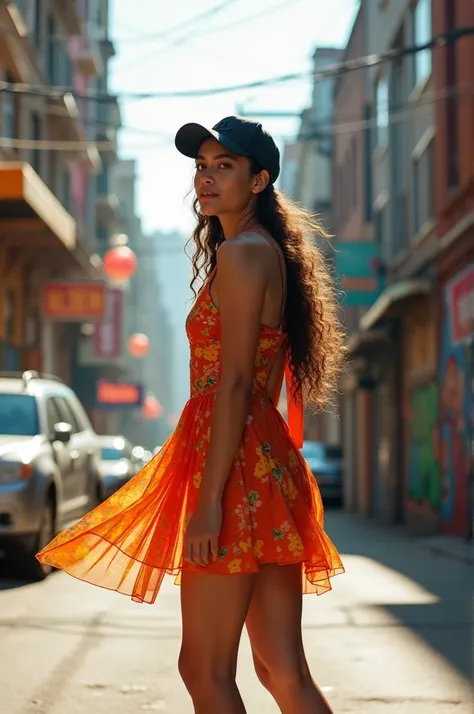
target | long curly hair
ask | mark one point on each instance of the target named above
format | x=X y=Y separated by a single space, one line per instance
x=315 y=338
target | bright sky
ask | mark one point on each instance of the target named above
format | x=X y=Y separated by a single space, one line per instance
x=243 y=42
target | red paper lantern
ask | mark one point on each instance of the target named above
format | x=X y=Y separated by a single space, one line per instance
x=120 y=263
x=152 y=408
x=138 y=345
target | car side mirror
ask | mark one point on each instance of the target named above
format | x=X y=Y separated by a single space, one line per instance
x=62 y=431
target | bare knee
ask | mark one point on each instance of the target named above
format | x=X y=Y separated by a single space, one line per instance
x=283 y=680
x=201 y=677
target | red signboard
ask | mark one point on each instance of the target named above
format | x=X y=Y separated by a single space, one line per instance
x=107 y=337
x=461 y=305
x=73 y=301
x=115 y=394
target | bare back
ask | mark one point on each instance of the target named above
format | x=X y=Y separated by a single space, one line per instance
x=273 y=271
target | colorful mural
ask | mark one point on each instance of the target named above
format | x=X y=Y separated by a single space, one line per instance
x=455 y=401
x=424 y=469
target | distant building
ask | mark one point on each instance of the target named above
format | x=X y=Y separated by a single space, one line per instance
x=174 y=273
x=145 y=312
x=307 y=178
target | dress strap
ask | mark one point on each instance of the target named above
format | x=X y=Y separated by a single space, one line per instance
x=294 y=401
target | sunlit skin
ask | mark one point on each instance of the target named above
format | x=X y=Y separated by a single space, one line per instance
x=247 y=288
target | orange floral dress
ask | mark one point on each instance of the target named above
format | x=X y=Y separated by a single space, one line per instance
x=272 y=508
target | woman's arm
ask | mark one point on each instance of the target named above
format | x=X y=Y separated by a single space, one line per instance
x=240 y=283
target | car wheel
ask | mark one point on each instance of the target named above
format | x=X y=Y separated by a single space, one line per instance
x=40 y=571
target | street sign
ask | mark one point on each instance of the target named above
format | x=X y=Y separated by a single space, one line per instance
x=356 y=275
x=119 y=395
x=77 y=301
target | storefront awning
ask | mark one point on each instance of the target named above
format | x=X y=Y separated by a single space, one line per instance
x=361 y=344
x=394 y=295
x=30 y=215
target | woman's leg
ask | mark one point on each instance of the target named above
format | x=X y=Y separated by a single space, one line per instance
x=274 y=627
x=214 y=608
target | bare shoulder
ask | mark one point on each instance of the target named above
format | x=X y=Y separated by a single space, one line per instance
x=242 y=254
x=246 y=252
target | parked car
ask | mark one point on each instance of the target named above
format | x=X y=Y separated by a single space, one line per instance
x=325 y=463
x=117 y=464
x=141 y=456
x=49 y=464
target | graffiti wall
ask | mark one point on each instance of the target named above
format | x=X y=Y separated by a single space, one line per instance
x=455 y=400
x=422 y=439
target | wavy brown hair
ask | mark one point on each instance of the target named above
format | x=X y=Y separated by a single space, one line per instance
x=311 y=322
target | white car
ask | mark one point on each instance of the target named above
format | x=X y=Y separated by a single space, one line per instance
x=49 y=464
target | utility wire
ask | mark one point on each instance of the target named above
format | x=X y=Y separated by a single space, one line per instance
x=367 y=61
x=157 y=52
x=398 y=113
x=221 y=28
x=206 y=15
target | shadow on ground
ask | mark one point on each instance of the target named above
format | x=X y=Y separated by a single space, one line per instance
x=446 y=625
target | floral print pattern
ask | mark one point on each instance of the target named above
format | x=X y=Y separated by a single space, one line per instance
x=272 y=509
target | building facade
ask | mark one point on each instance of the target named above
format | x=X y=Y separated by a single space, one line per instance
x=47 y=154
x=404 y=194
x=450 y=498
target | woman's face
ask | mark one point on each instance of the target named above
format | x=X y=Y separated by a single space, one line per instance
x=223 y=181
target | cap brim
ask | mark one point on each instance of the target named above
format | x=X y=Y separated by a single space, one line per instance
x=190 y=137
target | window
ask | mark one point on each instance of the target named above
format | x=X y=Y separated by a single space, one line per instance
x=36 y=21
x=108 y=453
x=421 y=35
x=382 y=228
x=423 y=188
x=9 y=314
x=67 y=413
x=52 y=416
x=51 y=51
x=18 y=415
x=381 y=111
x=8 y=106
x=367 y=166
x=36 y=136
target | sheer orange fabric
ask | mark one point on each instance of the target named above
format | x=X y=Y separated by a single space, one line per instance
x=272 y=509
x=295 y=410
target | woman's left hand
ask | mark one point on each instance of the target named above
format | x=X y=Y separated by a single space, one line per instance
x=202 y=534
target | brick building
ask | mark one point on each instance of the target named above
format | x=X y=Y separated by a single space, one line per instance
x=454 y=157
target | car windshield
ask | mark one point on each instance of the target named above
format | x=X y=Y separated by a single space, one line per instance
x=109 y=453
x=316 y=450
x=18 y=415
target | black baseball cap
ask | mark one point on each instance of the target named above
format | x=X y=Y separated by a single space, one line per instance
x=241 y=136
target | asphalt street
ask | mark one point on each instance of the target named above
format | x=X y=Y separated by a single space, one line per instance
x=394 y=635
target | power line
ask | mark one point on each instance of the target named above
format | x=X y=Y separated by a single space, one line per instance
x=249 y=18
x=206 y=15
x=179 y=40
x=398 y=113
x=365 y=62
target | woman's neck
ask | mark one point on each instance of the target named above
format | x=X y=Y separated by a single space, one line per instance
x=232 y=226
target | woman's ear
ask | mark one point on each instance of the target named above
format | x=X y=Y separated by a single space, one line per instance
x=261 y=181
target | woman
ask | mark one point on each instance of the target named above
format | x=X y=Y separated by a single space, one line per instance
x=228 y=504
